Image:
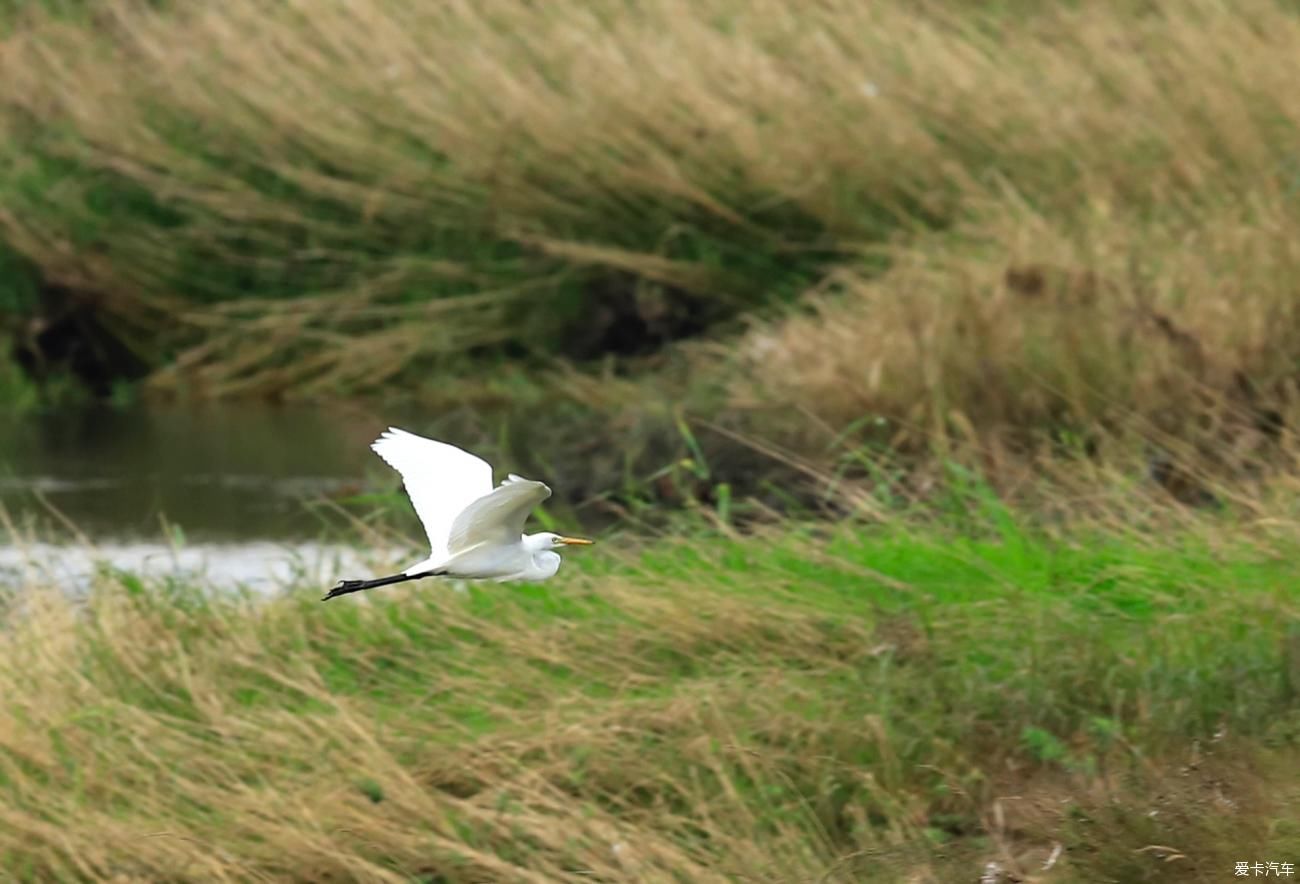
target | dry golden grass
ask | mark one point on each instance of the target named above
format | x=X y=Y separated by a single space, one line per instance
x=1178 y=333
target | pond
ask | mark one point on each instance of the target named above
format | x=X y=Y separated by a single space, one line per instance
x=235 y=493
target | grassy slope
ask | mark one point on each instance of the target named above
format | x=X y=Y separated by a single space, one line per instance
x=268 y=200
x=812 y=705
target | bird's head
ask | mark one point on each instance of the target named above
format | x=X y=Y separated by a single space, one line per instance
x=555 y=541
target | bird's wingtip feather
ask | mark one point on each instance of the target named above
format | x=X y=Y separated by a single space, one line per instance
x=392 y=434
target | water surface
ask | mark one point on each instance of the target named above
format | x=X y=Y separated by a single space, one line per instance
x=232 y=494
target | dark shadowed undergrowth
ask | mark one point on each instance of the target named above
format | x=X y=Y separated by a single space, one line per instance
x=822 y=703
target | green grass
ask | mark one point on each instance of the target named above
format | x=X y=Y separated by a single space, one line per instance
x=894 y=704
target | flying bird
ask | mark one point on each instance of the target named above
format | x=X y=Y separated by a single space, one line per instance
x=475 y=531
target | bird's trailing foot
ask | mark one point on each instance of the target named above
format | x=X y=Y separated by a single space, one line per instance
x=344 y=587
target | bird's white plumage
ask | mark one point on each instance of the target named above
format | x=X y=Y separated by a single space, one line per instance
x=440 y=479
x=497 y=518
x=475 y=530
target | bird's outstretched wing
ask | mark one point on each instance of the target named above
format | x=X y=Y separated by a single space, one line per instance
x=441 y=480
x=498 y=518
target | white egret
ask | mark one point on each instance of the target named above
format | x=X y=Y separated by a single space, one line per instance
x=475 y=530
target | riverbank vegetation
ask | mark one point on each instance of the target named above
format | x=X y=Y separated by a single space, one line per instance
x=916 y=703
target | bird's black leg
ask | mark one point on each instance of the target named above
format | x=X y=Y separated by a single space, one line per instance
x=346 y=586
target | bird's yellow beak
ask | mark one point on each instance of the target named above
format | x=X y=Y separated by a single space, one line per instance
x=576 y=541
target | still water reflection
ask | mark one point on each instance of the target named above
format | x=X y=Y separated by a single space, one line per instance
x=227 y=473
x=230 y=493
